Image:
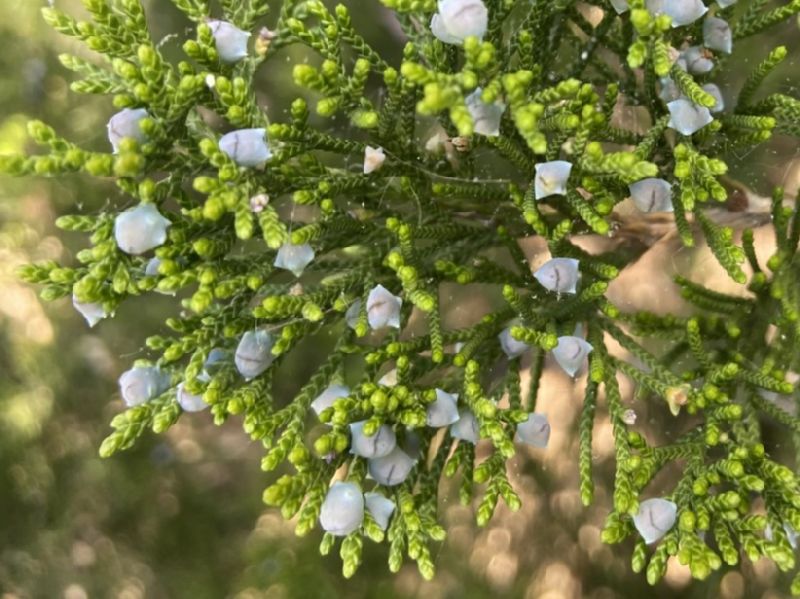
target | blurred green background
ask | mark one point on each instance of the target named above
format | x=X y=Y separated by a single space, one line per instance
x=181 y=515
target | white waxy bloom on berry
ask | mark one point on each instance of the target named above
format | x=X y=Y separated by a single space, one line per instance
x=231 y=42
x=126 y=123
x=351 y=316
x=140 y=384
x=466 y=427
x=342 y=511
x=654 y=518
x=511 y=347
x=376 y=446
x=559 y=274
x=620 y=6
x=551 y=178
x=717 y=35
x=389 y=379
x=534 y=431
x=669 y=90
x=294 y=258
x=190 y=402
x=629 y=417
x=373 y=159
x=381 y=508
x=457 y=20
x=412 y=444
x=719 y=101
x=92 y=312
x=686 y=117
x=652 y=195
x=151 y=269
x=443 y=410
x=254 y=353
x=246 y=147
x=773 y=396
x=258 y=203
x=140 y=229
x=391 y=469
x=769 y=535
x=325 y=399
x=571 y=353
x=696 y=60
x=791 y=534
x=485 y=117
x=682 y=12
x=383 y=308
x=215 y=359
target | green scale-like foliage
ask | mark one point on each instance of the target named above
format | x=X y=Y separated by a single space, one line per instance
x=429 y=216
